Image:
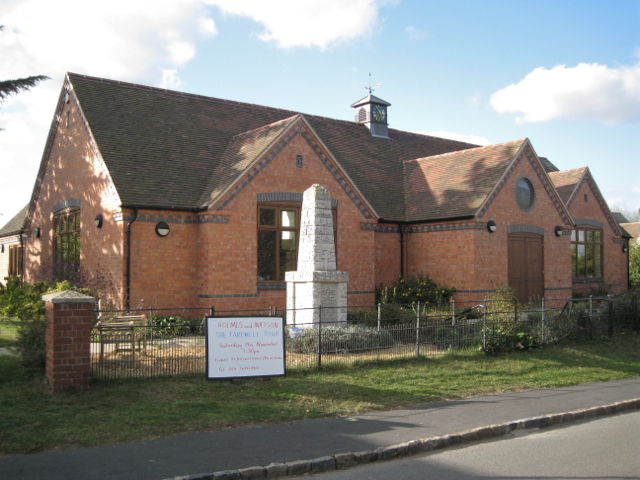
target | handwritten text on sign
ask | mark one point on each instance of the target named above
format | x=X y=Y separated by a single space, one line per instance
x=245 y=347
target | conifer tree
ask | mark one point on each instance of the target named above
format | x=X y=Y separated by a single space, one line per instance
x=13 y=87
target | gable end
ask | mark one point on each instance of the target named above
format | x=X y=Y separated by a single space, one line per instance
x=544 y=180
x=300 y=129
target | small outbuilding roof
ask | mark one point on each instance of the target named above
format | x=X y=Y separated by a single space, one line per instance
x=16 y=224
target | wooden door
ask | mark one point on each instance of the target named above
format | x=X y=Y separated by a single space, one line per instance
x=526 y=266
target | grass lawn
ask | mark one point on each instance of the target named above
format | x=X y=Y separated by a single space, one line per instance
x=8 y=332
x=31 y=420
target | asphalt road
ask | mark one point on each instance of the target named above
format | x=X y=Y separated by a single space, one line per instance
x=260 y=445
x=606 y=448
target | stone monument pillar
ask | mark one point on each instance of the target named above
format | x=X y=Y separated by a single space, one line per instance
x=316 y=283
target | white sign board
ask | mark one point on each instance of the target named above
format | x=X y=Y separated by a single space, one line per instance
x=239 y=347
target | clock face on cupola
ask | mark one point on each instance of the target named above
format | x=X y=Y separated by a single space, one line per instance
x=379 y=113
x=372 y=112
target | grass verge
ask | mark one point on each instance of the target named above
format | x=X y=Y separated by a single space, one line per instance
x=8 y=332
x=129 y=410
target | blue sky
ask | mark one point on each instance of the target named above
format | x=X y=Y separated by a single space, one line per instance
x=566 y=74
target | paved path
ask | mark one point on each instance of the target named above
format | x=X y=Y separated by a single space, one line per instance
x=6 y=351
x=245 y=447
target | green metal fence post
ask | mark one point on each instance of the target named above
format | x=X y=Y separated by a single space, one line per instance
x=320 y=337
x=542 y=320
x=484 y=327
x=611 y=317
x=453 y=312
x=418 y=332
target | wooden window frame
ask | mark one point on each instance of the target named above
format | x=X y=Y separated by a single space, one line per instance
x=278 y=228
x=66 y=243
x=576 y=243
x=15 y=261
x=279 y=206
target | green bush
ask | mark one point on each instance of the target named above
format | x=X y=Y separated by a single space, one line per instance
x=352 y=338
x=22 y=300
x=414 y=289
x=31 y=342
x=170 y=326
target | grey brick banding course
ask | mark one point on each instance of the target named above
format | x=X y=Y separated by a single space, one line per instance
x=349 y=459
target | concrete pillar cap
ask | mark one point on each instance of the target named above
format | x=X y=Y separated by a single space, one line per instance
x=68 y=296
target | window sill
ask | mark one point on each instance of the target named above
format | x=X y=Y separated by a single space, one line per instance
x=588 y=280
x=272 y=285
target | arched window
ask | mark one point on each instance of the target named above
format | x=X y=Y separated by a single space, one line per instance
x=66 y=248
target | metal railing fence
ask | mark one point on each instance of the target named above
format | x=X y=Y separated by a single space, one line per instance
x=174 y=341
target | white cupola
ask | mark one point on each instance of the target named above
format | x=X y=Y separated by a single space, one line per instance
x=372 y=111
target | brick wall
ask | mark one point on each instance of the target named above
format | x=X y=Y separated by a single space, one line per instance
x=388 y=257
x=68 y=340
x=615 y=261
x=475 y=261
x=211 y=258
x=75 y=171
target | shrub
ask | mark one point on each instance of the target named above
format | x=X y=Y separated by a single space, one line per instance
x=504 y=332
x=634 y=264
x=347 y=339
x=94 y=283
x=31 y=342
x=170 y=326
x=22 y=300
x=414 y=289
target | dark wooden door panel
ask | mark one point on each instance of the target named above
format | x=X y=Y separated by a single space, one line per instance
x=526 y=266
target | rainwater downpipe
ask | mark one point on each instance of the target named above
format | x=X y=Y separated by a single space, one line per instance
x=128 y=275
x=402 y=250
x=22 y=256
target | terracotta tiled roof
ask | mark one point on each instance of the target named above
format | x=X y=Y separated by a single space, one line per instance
x=633 y=229
x=240 y=153
x=455 y=184
x=173 y=150
x=567 y=181
x=14 y=226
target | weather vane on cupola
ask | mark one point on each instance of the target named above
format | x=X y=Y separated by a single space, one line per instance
x=372 y=112
x=371 y=89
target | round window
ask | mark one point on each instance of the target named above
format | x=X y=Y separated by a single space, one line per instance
x=524 y=193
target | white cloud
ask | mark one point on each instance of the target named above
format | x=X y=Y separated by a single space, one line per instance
x=310 y=23
x=142 y=41
x=474 y=139
x=616 y=204
x=636 y=189
x=170 y=80
x=414 y=33
x=585 y=92
x=207 y=27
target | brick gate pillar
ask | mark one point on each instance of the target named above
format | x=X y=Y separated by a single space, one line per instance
x=68 y=340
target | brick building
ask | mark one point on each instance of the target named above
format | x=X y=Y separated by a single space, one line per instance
x=184 y=200
x=11 y=240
